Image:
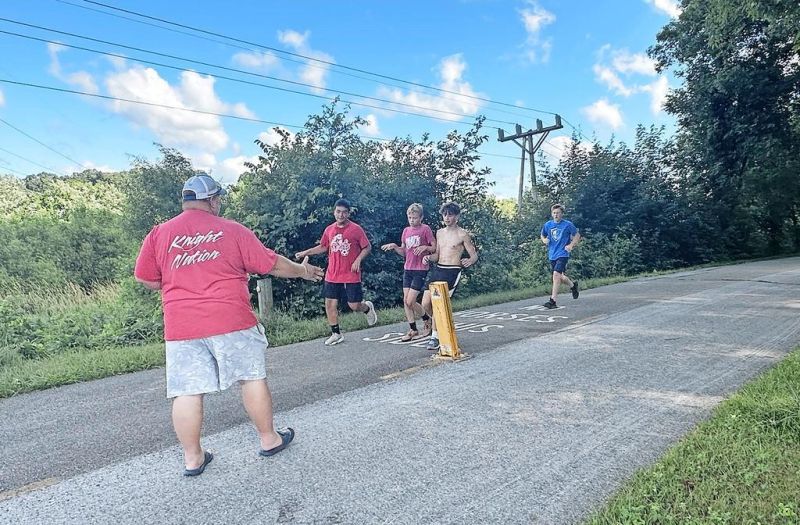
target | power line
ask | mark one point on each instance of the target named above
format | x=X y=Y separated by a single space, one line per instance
x=12 y=170
x=230 y=44
x=105 y=97
x=424 y=108
x=35 y=139
x=145 y=103
x=308 y=58
x=48 y=168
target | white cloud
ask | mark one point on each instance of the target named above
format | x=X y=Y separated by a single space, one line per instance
x=79 y=79
x=535 y=18
x=261 y=61
x=450 y=70
x=229 y=170
x=371 y=127
x=293 y=38
x=314 y=72
x=272 y=137
x=603 y=112
x=89 y=165
x=117 y=63
x=623 y=62
x=612 y=81
x=668 y=7
x=626 y=62
x=557 y=147
x=658 y=94
x=174 y=127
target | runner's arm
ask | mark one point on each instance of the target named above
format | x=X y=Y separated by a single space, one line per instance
x=574 y=240
x=316 y=250
x=471 y=250
x=286 y=268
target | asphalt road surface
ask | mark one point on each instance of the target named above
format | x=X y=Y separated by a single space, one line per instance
x=550 y=414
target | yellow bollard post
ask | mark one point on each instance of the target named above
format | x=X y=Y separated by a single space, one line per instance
x=443 y=314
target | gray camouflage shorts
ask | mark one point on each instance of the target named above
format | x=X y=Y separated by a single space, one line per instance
x=211 y=364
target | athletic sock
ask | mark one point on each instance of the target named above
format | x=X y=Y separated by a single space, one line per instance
x=434 y=334
x=413 y=326
x=335 y=329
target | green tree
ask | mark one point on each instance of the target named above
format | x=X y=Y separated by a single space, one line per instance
x=739 y=116
x=153 y=190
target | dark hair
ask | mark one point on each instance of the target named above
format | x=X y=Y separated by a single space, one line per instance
x=450 y=208
x=344 y=203
x=557 y=206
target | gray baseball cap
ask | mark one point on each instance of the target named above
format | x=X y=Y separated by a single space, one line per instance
x=201 y=186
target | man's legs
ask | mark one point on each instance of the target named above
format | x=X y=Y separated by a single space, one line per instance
x=257 y=401
x=187 y=419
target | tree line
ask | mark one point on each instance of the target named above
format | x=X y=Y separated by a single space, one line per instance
x=723 y=186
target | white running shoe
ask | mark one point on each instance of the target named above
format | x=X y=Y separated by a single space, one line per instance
x=334 y=339
x=372 y=315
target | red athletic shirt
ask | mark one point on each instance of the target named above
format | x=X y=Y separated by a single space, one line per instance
x=202 y=262
x=344 y=245
x=412 y=237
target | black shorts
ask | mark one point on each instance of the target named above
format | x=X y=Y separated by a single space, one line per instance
x=449 y=274
x=414 y=279
x=559 y=265
x=352 y=292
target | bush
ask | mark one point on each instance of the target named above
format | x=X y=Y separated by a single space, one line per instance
x=44 y=323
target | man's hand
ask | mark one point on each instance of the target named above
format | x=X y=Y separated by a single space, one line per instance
x=569 y=248
x=389 y=246
x=313 y=273
x=356 y=267
x=300 y=255
x=419 y=250
x=545 y=240
x=466 y=263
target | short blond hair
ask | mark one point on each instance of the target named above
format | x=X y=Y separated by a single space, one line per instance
x=416 y=208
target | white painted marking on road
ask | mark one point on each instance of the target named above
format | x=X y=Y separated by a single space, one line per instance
x=30 y=487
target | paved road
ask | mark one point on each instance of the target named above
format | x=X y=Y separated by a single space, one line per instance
x=553 y=411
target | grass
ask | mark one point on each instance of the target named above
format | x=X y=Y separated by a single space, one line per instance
x=740 y=467
x=26 y=375
x=76 y=366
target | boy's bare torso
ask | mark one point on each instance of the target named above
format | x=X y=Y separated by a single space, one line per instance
x=451 y=245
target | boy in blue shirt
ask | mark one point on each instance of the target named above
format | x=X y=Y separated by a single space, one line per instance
x=560 y=236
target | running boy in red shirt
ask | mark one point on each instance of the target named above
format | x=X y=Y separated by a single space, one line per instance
x=416 y=241
x=347 y=245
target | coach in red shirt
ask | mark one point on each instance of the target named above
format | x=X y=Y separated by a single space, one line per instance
x=201 y=262
x=347 y=245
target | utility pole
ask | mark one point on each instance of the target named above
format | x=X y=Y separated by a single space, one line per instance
x=528 y=147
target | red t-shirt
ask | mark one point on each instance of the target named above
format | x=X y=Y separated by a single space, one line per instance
x=202 y=262
x=344 y=245
x=412 y=237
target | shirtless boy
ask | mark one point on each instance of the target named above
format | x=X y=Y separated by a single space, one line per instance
x=451 y=242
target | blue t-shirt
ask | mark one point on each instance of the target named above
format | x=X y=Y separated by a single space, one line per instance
x=559 y=234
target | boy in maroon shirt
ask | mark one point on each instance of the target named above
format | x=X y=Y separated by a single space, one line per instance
x=347 y=245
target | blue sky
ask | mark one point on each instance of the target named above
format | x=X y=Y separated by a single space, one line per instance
x=584 y=60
